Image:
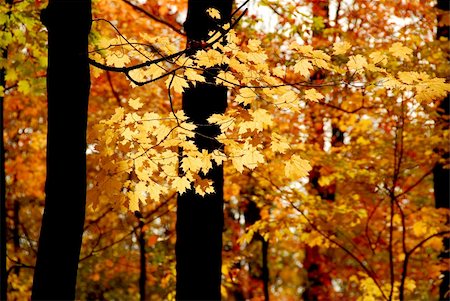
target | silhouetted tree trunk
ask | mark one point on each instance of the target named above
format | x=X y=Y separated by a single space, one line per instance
x=68 y=83
x=200 y=219
x=3 y=278
x=252 y=214
x=441 y=174
x=3 y=274
x=142 y=257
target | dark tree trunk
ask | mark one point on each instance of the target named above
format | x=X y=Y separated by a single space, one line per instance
x=265 y=267
x=143 y=261
x=200 y=219
x=441 y=175
x=68 y=84
x=252 y=214
x=3 y=274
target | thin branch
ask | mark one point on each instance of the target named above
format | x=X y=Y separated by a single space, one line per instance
x=370 y=273
x=406 y=261
x=196 y=46
x=155 y=18
x=114 y=92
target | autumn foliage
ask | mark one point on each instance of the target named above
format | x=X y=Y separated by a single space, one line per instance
x=328 y=144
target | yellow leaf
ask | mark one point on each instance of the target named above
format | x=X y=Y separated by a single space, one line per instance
x=278 y=71
x=400 y=51
x=209 y=58
x=193 y=164
x=205 y=158
x=192 y=75
x=155 y=190
x=378 y=58
x=246 y=96
x=141 y=192
x=133 y=201
x=341 y=48
x=135 y=103
x=253 y=45
x=177 y=83
x=225 y=122
x=420 y=228
x=357 y=63
x=227 y=79
x=279 y=143
x=313 y=95
x=153 y=71
x=214 y=13
x=117 y=59
x=218 y=157
x=296 y=167
x=251 y=157
x=262 y=117
x=302 y=67
x=24 y=87
x=181 y=184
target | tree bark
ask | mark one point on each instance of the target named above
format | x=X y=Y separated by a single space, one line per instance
x=441 y=175
x=142 y=260
x=3 y=277
x=68 y=84
x=3 y=272
x=200 y=219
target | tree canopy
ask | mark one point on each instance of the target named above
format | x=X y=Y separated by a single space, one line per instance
x=333 y=129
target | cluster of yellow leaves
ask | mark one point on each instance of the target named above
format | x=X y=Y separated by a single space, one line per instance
x=145 y=145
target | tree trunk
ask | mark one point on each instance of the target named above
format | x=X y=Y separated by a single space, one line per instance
x=3 y=273
x=441 y=175
x=68 y=84
x=265 y=267
x=3 y=278
x=142 y=261
x=200 y=219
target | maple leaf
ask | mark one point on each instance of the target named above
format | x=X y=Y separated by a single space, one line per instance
x=253 y=45
x=214 y=13
x=378 y=58
x=296 y=167
x=303 y=67
x=341 y=48
x=135 y=103
x=193 y=164
x=218 y=157
x=357 y=63
x=262 y=118
x=177 y=83
x=209 y=58
x=400 y=51
x=313 y=95
x=245 y=96
x=279 y=71
x=192 y=75
x=279 y=143
x=117 y=59
x=227 y=79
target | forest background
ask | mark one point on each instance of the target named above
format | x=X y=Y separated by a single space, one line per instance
x=335 y=178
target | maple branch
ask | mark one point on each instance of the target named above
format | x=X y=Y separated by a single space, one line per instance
x=415 y=183
x=155 y=18
x=366 y=228
x=195 y=47
x=114 y=92
x=148 y=215
x=406 y=261
x=369 y=272
x=19 y=266
x=96 y=220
